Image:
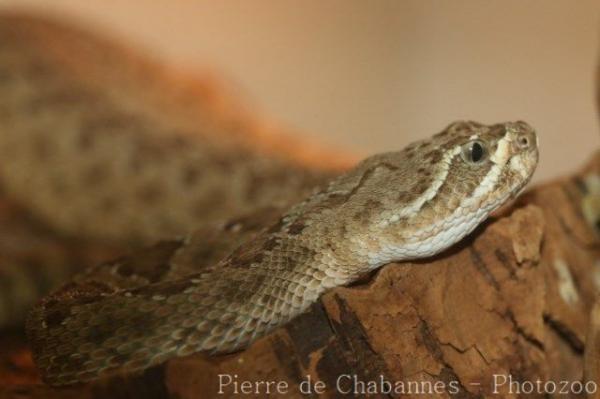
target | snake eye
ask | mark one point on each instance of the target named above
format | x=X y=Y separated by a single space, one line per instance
x=474 y=152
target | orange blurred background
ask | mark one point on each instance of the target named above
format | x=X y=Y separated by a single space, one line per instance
x=373 y=76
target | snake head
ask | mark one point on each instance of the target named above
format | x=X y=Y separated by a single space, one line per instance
x=419 y=201
x=470 y=169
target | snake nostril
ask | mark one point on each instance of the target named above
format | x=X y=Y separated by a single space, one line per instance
x=523 y=142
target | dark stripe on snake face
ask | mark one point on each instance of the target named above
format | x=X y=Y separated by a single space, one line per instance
x=456 y=182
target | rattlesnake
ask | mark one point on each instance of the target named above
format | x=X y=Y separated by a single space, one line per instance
x=111 y=167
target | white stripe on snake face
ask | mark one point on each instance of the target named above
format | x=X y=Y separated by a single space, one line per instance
x=500 y=157
x=431 y=192
x=456 y=226
x=502 y=153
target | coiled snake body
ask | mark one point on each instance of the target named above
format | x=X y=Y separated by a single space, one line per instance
x=220 y=287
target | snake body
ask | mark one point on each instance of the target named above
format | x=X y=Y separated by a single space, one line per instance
x=155 y=153
x=220 y=287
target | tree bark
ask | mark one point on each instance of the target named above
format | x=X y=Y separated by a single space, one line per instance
x=510 y=302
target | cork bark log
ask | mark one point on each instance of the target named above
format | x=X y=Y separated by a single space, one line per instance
x=513 y=300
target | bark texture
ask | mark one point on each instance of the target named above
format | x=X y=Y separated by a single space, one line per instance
x=513 y=300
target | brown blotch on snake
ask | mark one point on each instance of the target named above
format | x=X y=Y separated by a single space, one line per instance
x=151 y=264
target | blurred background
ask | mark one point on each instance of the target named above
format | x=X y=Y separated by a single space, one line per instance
x=373 y=76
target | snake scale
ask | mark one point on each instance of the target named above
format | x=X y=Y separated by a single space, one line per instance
x=113 y=149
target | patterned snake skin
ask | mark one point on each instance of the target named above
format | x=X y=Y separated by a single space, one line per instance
x=103 y=150
x=227 y=283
